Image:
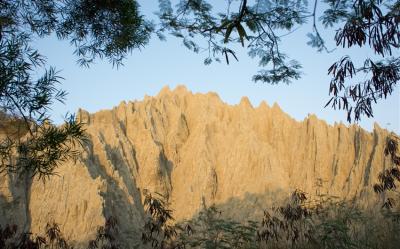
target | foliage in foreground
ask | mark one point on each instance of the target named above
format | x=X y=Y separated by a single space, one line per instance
x=389 y=178
x=301 y=223
x=53 y=238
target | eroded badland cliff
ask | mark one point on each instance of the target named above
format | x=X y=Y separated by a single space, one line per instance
x=196 y=150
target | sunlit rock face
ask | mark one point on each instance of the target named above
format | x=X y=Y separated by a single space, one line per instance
x=196 y=150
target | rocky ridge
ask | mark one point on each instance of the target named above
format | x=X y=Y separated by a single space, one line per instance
x=196 y=150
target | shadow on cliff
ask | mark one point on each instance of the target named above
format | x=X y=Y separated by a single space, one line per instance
x=15 y=206
x=165 y=170
x=250 y=206
x=122 y=200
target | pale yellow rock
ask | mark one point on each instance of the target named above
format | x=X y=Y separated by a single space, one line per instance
x=196 y=149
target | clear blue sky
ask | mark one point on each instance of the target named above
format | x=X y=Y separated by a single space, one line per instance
x=159 y=64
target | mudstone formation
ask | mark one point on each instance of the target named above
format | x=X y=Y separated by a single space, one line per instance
x=197 y=151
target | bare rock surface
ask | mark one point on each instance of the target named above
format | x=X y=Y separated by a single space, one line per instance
x=194 y=149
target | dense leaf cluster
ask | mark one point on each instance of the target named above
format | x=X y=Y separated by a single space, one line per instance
x=99 y=28
x=10 y=238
